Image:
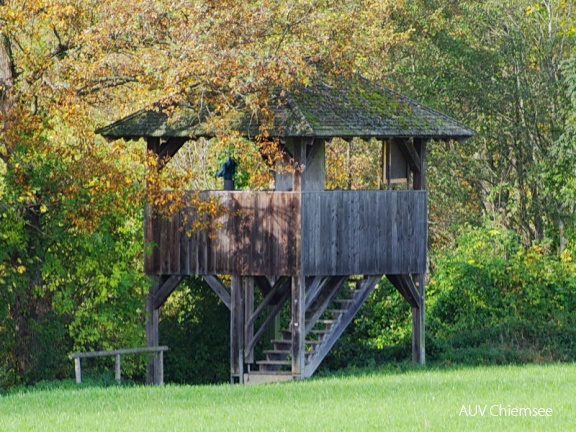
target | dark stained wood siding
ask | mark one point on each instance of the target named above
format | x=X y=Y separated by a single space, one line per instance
x=342 y=233
x=258 y=235
x=363 y=232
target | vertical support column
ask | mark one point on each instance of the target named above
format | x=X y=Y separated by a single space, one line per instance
x=300 y=161
x=151 y=260
x=418 y=314
x=236 y=331
x=419 y=177
x=418 y=325
x=298 y=311
x=298 y=303
x=248 y=286
x=152 y=334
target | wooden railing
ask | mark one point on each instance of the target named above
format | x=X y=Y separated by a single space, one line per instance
x=364 y=232
x=279 y=233
x=159 y=351
x=256 y=236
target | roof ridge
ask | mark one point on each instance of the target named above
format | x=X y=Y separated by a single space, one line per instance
x=297 y=111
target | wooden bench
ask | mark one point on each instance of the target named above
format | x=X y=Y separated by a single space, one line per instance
x=158 y=351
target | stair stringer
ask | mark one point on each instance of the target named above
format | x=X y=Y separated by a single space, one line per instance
x=366 y=287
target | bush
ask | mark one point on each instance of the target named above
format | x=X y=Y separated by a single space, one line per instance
x=492 y=300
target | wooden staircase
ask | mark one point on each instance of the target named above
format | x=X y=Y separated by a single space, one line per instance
x=330 y=307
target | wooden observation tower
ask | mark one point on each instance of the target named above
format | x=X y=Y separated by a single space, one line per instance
x=323 y=251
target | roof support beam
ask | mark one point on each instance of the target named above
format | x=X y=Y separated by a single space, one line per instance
x=167 y=285
x=410 y=154
x=165 y=149
x=171 y=146
x=420 y=176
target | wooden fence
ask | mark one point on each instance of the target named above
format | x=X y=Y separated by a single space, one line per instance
x=159 y=351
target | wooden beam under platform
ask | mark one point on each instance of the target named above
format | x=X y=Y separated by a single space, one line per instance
x=405 y=286
x=166 y=286
x=219 y=288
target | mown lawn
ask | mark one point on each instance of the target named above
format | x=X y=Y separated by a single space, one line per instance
x=389 y=400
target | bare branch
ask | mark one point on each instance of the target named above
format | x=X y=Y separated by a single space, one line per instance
x=104 y=83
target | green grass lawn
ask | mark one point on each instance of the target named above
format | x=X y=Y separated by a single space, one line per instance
x=390 y=400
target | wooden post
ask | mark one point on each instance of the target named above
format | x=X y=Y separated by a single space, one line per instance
x=160 y=355
x=299 y=160
x=418 y=327
x=117 y=373
x=298 y=327
x=298 y=292
x=152 y=335
x=237 y=331
x=418 y=314
x=419 y=176
x=78 y=370
x=248 y=286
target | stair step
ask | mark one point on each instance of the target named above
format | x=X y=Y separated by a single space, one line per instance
x=320 y=331
x=350 y=291
x=265 y=377
x=274 y=362
x=343 y=301
x=276 y=352
x=326 y=322
x=274 y=355
x=336 y=311
x=313 y=342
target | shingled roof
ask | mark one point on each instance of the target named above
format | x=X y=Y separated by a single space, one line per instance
x=348 y=109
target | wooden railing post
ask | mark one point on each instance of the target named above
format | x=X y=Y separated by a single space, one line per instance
x=117 y=373
x=77 y=370
x=160 y=368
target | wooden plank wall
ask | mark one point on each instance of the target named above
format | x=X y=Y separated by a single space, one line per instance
x=258 y=235
x=364 y=232
x=343 y=233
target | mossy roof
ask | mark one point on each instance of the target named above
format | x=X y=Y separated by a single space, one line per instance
x=353 y=108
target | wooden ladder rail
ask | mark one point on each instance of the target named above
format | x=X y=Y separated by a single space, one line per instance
x=333 y=285
x=366 y=287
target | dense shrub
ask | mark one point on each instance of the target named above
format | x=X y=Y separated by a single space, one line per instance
x=491 y=293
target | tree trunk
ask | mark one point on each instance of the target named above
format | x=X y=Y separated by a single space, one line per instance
x=6 y=73
x=7 y=76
